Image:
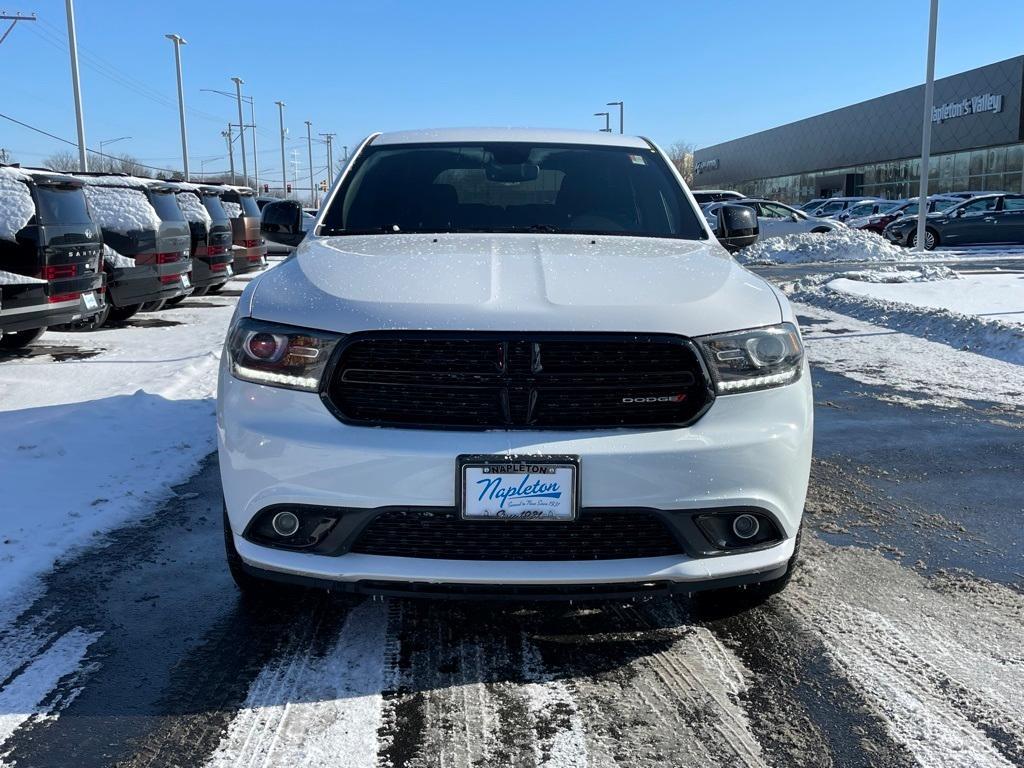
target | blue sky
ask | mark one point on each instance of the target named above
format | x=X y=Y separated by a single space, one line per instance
x=700 y=72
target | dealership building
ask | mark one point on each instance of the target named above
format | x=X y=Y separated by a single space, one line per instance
x=873 y=148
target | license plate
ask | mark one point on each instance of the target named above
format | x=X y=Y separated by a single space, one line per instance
x=89 y=300
x=228 y=270
x=185 y=282
x=541 y=489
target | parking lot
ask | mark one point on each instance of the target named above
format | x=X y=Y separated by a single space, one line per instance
x=897 y=644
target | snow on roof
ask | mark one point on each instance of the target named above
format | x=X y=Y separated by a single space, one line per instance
x=10 y=278
x=233 y=210
x=116 y=259
x=193 y=207
x=115 y=180
x=183 y=186
x=16 y=206
x=121 y=209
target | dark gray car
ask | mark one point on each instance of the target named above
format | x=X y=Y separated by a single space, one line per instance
x=997 y=218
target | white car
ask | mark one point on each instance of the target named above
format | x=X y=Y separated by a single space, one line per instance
x=513 y=361
x=777 y=219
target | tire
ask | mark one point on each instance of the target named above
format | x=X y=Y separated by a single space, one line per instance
x=117 y=315
x=175 y=301
x=20 y=339
x=199 y=292
x=931 y=239
x=153 y=306
x=216 y=288
x=90 y=324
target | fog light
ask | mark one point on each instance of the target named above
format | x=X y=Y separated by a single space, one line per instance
x=744 y=526
x=286 y=524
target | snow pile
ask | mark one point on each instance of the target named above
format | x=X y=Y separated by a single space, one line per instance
x=114 y=259
x=922 y=274
x=121 y=209
x=234 y=210
x=840 y=245
x=193 y=208
x=9 y=278
x=16 y=206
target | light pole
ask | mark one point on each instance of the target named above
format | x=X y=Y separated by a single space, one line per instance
x=607 y=121
x=284 y=162
x=309 y=149
x=622 y=113
x=926 y=129
x=252 y=124
x=179 y=41
x=83 y=161
x=231 y=151
x=104 y=142
x=241 y=126
x=330 y=158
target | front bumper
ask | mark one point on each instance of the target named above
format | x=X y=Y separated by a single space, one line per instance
x=897 y=236
x=279 y=446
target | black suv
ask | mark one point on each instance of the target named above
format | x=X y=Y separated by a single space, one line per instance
x=211 y=236
x=144 y=226
x=996 y=218
x=51 y=265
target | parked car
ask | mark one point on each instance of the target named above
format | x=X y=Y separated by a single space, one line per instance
x=703 y=196
x=878 y=221
x=776 y=219
x=147 y=256
x=250 y=249
x=969 y=194
x=835 y=205
x=511 y=360
x=997 y=218
x=866 y=208
x=211 y=239
x=50 y=255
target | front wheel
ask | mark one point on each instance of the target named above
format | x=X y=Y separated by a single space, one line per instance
x=931 y=239
x=20 y=339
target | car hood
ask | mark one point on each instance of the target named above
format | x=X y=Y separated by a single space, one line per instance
x=527 y=282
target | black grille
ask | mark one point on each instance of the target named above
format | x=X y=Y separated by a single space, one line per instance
x=444 y=535
x=515 y=381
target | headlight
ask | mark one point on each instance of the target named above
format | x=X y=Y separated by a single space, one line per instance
x=756 y=359
x=279 y=355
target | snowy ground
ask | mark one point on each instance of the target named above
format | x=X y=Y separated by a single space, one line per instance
x=898 y=644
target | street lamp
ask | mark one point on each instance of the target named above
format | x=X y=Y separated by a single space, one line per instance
x=607 y=121
x=622 y=111
x=179 y=41
x=252 y=124
x=83 y=161
x=241 y=126
x=309 y=148
x=111 y=141
x=284 y=162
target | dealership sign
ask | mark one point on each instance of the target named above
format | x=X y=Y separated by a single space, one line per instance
x=971 y=105
x=706 y=165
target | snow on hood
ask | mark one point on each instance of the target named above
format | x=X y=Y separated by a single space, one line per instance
x=840 y=245
x=9 y=278
x=524 y=281
x=233 y=210
x=16 y=206
x=193 y=208
x=115 y=259
x=121 y=209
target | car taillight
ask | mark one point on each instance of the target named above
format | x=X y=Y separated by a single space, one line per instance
x=219 y=267
x=64 y=270
x=59 y=297
x=169 y=258
x=247 y=243
x=216 y=250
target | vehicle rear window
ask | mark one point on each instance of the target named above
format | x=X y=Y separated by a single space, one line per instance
x=512 y=187
x=166 y=206
x=249 y=207
x=61 y=205
x=214 y=208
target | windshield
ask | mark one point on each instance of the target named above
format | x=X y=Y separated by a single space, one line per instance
x=512 y=187
x=61 y=205
x=215 y=208
x=166 y=206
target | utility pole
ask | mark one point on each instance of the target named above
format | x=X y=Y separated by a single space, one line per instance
x=255 y=151
x=241 y=126
x=14 y=18
x=622 y=113
x=231 y=151
x=83 y=161
x=179 y=41
x=926 y=128
x=284 y=163
x=607 y=121
x=309 y=149
x=330 y=158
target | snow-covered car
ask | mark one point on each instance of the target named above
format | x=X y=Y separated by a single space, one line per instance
x=776 y=219
x=997 y=218
x=147 y=241
x=50 y=252
x=704 y=196
x=866 y=208
x=210 y=228
x=250 y=250
x=512 y=360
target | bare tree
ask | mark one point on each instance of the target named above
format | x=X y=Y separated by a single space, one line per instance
x=61 y=160
x=681 y=154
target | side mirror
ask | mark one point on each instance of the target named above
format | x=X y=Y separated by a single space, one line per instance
x=960 y=212
x=737 y=226
x=794 y=217
x=281 y=222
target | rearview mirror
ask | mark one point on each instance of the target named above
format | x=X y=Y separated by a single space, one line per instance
x=737 y=226
x=281 y=222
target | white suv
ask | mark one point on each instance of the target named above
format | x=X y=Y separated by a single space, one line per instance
x=512 y=361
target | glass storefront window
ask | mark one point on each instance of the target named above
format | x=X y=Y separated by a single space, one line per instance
x=1015 y=158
